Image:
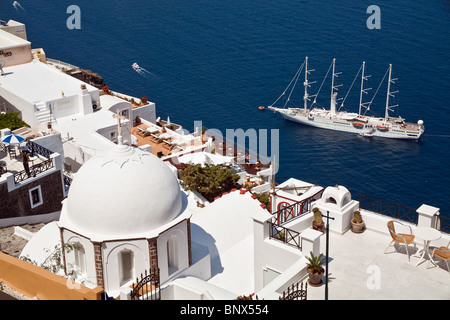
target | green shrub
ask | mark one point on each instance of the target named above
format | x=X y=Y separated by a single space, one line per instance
x=209 y=180
x=12 y=121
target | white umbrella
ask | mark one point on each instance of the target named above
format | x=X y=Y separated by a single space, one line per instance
x=204 y=157
x=13 y=139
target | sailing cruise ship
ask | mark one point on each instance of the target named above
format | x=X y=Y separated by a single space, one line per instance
x=358 y=123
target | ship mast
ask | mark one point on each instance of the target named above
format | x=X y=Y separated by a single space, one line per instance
x=305 y=98
x=333 y=98
x=389 y=93
x=362 y=85
x=332 y=82
x=363 y=77
x=307 y=84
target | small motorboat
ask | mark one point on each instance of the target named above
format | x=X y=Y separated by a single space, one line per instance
x=136 y=66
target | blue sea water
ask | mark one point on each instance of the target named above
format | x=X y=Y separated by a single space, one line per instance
x=217 y=61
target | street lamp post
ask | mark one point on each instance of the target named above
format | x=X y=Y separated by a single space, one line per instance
x=326 y=260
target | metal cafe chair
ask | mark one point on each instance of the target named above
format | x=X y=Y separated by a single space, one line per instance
x=401 y=238
x=442 y=253
x=12 y=152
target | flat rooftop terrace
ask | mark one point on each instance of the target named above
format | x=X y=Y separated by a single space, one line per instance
x=360 y=270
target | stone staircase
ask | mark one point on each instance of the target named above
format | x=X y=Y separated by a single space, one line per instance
x=43 y=113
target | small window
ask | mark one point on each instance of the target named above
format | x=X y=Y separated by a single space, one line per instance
x=124 y=113
x=113 y=135
x=35 y=197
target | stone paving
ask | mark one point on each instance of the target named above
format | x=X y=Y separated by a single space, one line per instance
x=360 y=270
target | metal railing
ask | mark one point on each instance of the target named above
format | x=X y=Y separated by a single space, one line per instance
x=388 y=208
x=295 y=292
x=33 y=171
x=443 y=224
x=38 y=149
x=294 y=210
x=285 y=235
x=62 y=64
x=147 y=288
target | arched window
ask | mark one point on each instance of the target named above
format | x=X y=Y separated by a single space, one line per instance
x=331 y=200
x=80 y=258
x=172 y=254
x=285 y=212
x=126 y=266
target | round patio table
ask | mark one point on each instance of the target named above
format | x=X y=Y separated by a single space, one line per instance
x=427 y=235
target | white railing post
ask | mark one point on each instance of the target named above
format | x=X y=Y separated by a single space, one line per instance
x=427 y=216
x=310 y=241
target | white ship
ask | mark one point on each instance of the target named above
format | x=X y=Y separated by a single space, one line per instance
x=358 y=123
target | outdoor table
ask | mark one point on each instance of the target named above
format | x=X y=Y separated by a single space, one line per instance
x=427 y=235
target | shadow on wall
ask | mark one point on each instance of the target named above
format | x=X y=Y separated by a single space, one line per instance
x=200 y=236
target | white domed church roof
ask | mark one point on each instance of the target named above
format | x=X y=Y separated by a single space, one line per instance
x=125 y=191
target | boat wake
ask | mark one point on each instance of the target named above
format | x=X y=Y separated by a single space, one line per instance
x=18 y=6
x=143 y=72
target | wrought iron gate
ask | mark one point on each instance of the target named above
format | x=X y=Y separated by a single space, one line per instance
x=295 y=292
x=147 y=288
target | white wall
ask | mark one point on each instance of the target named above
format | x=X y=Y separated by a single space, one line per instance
x=147 y=112
x=71 y=238
x=26 y=108
x=111 y=263
x=51 y=142
x=65 y=106
x=270 y=253
x=180 y=231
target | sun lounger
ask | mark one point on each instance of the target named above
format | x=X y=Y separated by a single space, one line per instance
x=143 y=132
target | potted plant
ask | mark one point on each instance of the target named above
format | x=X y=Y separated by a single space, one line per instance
x=357 y=222
x=318 y=223
x=315 y=269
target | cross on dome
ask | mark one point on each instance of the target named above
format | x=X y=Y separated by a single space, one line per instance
x=119 y=117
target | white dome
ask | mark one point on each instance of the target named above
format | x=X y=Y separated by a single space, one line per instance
x=122 y=192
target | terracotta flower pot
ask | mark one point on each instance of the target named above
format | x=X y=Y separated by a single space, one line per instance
x=315 y=278
x=358 y=227
x=318 y=226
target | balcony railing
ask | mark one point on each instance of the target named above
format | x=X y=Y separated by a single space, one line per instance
x=35 y=148
x=34 y=171
x=443 y=224
x=390 y=209
x=285 y=235
x=294 y=210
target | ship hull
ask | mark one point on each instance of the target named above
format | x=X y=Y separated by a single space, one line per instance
x=368 y=129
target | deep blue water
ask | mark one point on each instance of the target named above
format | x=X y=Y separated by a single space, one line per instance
x=217 y=61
